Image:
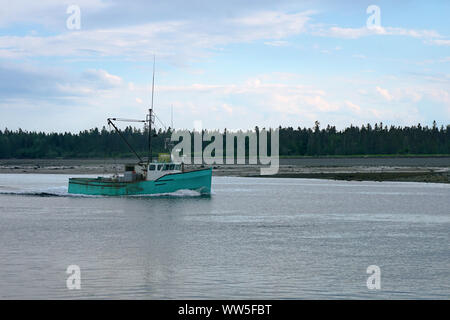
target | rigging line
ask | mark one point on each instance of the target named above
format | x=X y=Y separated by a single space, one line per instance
x=123 y=138
x=161 y=122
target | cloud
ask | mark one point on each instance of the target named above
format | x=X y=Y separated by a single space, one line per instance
x=175 y=40
x=277 y=43
x=257 y=100
x=29 y=82
x=227 y=108
x=440 y=42
x=384 y=93
x=353 y=107
x=127 y=32
x=429 y=36
x=265 y=100
x=129 y=42
x=98 y=14
x=440 y=95
x=320 y=103
x=50 y=13
x=101 y=78
x=171 y=36
x=273 y=25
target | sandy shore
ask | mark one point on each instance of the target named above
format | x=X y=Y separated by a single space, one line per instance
x=420 y=169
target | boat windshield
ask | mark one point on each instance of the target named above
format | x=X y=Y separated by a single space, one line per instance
x=164 y=167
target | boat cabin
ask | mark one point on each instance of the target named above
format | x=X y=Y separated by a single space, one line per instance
x=159 y=169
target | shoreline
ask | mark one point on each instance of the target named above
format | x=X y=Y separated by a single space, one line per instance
x=427 y=177
x=413 y=169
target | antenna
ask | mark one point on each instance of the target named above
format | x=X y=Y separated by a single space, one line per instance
x=153 y=82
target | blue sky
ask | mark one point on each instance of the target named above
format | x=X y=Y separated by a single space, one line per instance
x=229 y=64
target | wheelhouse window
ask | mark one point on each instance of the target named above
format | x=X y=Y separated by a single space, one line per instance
x=152 y=167
x=159 y=167
x=171 y=167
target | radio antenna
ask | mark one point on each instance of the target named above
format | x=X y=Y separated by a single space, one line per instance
x=150 y=118
x=153 y=81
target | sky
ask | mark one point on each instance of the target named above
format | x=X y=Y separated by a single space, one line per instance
x=232 y=64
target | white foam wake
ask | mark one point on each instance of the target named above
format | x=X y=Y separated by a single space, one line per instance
x=178 y=193
x=61 y=191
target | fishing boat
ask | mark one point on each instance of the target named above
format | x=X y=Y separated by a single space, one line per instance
x=145 y=177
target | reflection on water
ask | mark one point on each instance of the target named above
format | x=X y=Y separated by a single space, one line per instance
x=253 y=238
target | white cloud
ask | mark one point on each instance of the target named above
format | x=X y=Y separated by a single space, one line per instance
x=103 y=77
x=320 y=103
x=46 y=12
x=440 y=42
x=410 y=94
x=273 y=25
x=439 y=95
x=353 y=107
x=227 y=108
x=37 y=83
x=136 y=31
x=172 y=39
x=277 y=43
x=429 y=36
x=384 y=93
x=359 y=56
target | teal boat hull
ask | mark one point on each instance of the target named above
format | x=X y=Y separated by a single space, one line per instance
x=198 y=180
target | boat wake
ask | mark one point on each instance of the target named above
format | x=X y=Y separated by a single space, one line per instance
x=45 y=192
x=178 y=193
x=62 y=192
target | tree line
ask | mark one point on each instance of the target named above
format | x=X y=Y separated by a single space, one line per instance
x=316 y=141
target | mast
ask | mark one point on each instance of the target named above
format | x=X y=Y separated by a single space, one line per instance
x=149 y=135
x=150 y=115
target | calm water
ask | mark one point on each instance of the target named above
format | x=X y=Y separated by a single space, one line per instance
x=253 y=238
